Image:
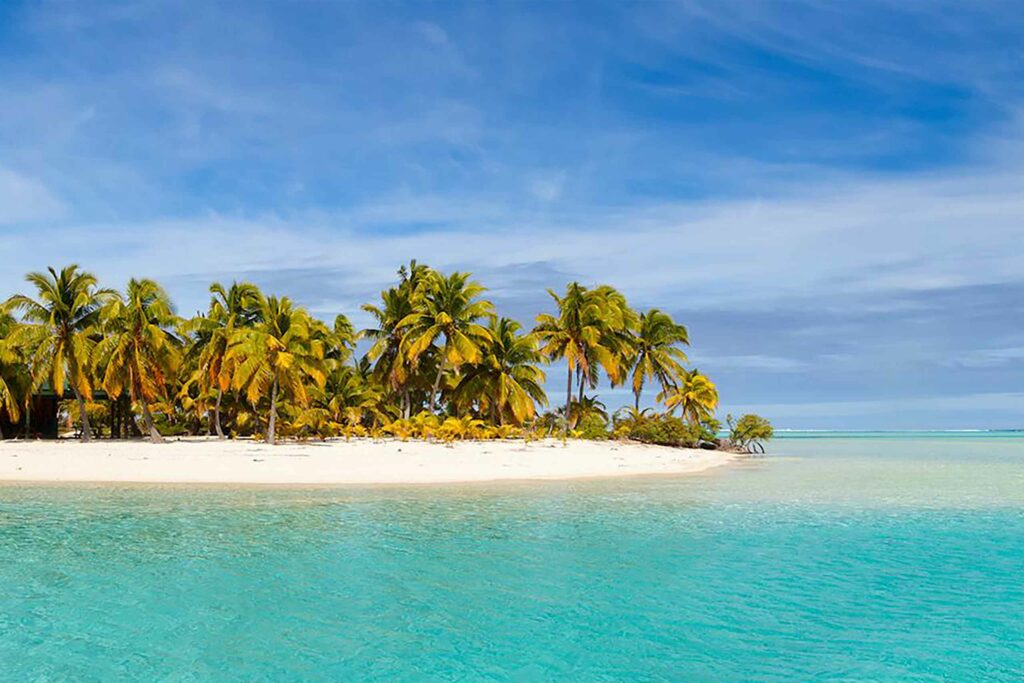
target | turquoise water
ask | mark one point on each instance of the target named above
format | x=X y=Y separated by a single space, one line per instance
x=832 y=559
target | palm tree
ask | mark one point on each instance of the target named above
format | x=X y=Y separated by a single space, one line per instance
x=390 y=367
x=656 y=353
x=627 y=418
x=278 y=354
x=617 y=323
x=695 y=395
x=446 y=307
x=60 y=322
x=10 y=364
x=230 y=309
x=412 y=276
x=139 y=352
x=341 y=342
x=507 y=378
x=351 y=397
x=576 y=334
x=585 y=407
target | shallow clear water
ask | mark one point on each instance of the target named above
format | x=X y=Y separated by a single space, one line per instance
x=881 y=558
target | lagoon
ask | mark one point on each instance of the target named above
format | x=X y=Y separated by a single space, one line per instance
x=838 y=557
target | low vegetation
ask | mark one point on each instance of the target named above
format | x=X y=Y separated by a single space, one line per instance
x=749 y=433
x=438 y=363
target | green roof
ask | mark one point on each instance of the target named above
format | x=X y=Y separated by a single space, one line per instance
x=46 y=391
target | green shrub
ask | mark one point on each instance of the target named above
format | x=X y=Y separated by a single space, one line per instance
x=592 y=426
x=749 y=430
x=708 y=431
x=664 y=430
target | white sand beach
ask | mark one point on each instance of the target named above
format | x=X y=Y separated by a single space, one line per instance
x=360 y=461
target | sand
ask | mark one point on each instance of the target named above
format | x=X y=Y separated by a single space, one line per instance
x=360 y=461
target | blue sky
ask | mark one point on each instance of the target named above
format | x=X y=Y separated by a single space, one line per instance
x=830 y=195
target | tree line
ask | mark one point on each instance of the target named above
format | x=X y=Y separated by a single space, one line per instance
x=440 y=361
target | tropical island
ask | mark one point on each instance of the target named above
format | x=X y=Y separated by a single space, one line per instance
x=444 y=389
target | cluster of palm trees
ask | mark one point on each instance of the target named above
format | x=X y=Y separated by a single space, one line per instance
x=259 y=364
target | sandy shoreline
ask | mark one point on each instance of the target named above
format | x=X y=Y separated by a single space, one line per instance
x=360 y=461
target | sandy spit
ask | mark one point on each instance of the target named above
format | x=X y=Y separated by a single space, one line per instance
x=359 y=461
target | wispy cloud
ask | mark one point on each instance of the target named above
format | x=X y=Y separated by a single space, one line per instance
x=989 y=358
x=750 y=362
x=26 y=200
x=840 y=241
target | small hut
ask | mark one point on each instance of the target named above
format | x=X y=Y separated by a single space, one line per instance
x=42 y=418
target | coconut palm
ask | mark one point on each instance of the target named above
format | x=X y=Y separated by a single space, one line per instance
x=586 y=407
x=695 y=395
x=10 y=370
x=617 y=323
x=577 y=334
x=657 y=355
x=628 y=418
x=351 y=397
x=449 y=308
x=412 y=276
x=139 y=352
x=60 y=322
x=341 y=342
x=277 y=355
x=230 y=309
x=507 y=379
x=391 y=368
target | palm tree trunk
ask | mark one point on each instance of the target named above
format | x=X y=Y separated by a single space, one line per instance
x=128 y=425
x=272 y=422
x=216 y=415
x=86 y=432
x=131 y=424
x=28 y=419
x=636 y=402
x=147 y=418
x=437 y=384
x=568 y=399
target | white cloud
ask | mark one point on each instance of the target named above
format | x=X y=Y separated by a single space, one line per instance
x=548 y=186
x=432 y=33
x=25 y=200
x=756 y=362
x=989 y=358
x=867 y=238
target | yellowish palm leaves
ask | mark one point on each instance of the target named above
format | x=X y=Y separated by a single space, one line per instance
x=138 y=352
x=391 y=367
x=59 y=324
x=231 y=309
x=506 y=384
x=10 y=364
x=656 y=352
x=695 y=395
x=592 y=328
x=460 y=428
x=448 y=308
x=277 y=355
